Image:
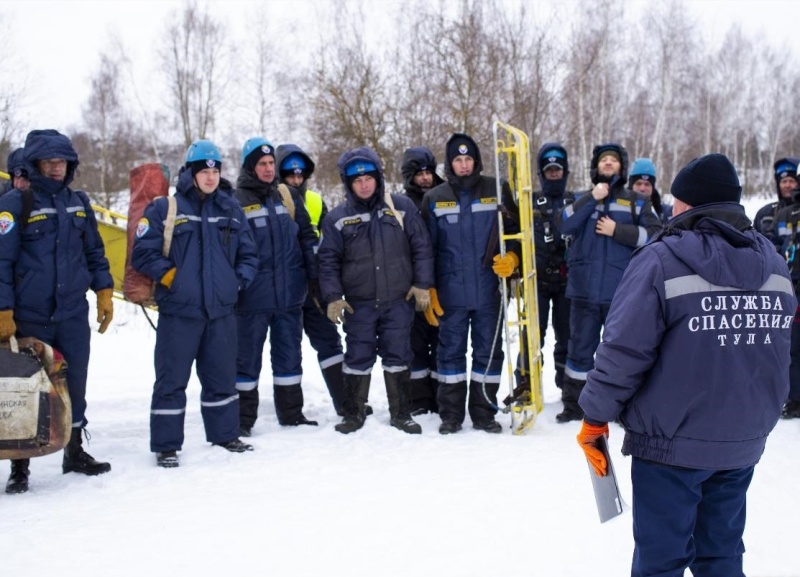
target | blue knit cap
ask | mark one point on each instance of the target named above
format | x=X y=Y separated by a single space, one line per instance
x=359 y=167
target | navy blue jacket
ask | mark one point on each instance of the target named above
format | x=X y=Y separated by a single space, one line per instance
x=285 y=246
x=551 y=247
x=462 y=222
x=596 y=261
x=364 y=254
x=212 y=250
x=695 y=355
x=47 y=265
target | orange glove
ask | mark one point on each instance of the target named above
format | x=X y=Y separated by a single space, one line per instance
x=105 y=309
x=168 y=277
x=8 y=328
x=504 y=265
x=435 y=310
x=587 y=439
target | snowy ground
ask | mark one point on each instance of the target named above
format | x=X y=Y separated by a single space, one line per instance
x=312 y=502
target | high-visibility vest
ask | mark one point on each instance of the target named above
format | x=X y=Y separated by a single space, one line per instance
x=314 y=205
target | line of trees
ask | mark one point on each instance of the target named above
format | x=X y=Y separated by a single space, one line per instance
x=646 y=80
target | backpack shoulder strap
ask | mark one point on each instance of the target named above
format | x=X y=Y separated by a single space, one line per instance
x=388 y=198
x=169 y=225
x=286 y=196
x=27 y=206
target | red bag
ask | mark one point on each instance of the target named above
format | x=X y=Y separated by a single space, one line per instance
x=147 y=183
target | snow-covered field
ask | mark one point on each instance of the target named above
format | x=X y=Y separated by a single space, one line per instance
x=312 y=502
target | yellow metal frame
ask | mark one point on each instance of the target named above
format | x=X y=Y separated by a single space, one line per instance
x=513 y=164
x=113 y=228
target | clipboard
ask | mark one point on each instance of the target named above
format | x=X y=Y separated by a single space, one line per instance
x=606 y=489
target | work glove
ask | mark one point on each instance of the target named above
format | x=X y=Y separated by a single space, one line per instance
x=504 y=265
x=434 y=310
x=587 y=439
x=336 y=310
x=422 y=298
x=8 y=328
x=105 y=309
x=168 y=277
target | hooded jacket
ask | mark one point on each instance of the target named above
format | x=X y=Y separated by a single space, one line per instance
x=414 y=159
x=770 y=219
x=48 y=263
x=314 y=203
x=212 y=251
x=551 y=247
x=596 y=262
x=286 y=258
x=462 y=220
x=695 y=355
x=365 y=254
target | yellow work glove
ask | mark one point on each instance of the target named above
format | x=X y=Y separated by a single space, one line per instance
x=336 y=310
x=422 y=298
x=168 y=277
x=587 y=439
x=434 y=310
x=504 y=265
x=8 y=328
x=105 y=309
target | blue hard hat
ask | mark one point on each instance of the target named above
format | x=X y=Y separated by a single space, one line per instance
x=358 y=167
x=257 y=142
x=293 y=163
x=202 y=150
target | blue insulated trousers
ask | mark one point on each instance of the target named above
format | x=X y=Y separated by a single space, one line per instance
x=688 y=518
x=585 y=327
x=384 y=330
x=212 y=345
x=455 y=326
x=71 y=337
x=322 y=334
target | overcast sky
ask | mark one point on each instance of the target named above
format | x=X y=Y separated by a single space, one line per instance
x=55 y=43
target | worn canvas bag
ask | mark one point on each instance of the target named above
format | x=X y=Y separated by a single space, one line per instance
x=35 y=410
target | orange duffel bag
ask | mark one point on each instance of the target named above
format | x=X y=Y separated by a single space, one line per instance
x=35 y=411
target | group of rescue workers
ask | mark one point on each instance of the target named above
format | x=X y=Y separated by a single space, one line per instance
x=411 y=277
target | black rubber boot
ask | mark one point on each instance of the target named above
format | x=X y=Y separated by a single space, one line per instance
x=76 y=460
x=357 y=392
x=18 y=479
x=397 y=393
x=248 y=410
x=570 y=393
x=452 y=400
x=289 y=406
x=334 y=380
x=791 y=410
x=483 y=406
x=422 y=396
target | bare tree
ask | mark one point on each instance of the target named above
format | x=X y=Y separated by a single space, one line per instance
x=194 y=61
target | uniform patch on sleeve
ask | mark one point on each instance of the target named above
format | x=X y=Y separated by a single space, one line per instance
x=142 y=227
x=6 y=222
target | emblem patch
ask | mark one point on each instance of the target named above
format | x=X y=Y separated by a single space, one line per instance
x=142 y=227
x=462 y=149
x=6 y=222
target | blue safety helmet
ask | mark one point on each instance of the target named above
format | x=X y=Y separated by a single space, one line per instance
x=257 y=142
x=202 y=150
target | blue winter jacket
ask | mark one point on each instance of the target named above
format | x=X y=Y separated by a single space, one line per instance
x=364 y=253
x=212 y=250
x=596 y=261
x=285 y=246
x=48 y=263
x=695 y=354
x=462 y=221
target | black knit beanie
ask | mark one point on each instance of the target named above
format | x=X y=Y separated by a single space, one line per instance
x=710 y=178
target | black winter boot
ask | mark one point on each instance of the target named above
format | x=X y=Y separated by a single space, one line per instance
x=18 y=479
x=791 y=410
x=334 y=380
x=248 y=409
x=483 y=406
x=570 y=393
x=451 y=398
x=397 y=393
x=76 y=460
x=422 y=396
x=289 y=406
x=357 y=392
